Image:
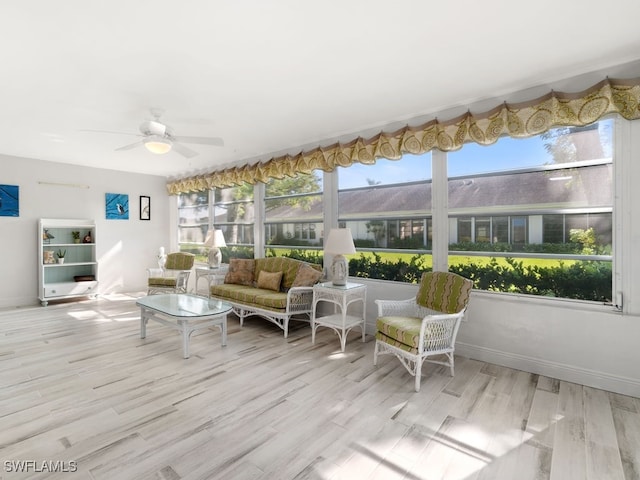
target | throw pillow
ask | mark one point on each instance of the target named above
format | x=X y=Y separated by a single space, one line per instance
x=240 y=271
x=307 y=276
x=269 y=280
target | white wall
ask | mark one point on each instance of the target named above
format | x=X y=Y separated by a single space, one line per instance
x=125 y=248
x=583 y=344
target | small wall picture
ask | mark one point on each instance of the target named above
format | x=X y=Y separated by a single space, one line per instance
x=9 y=201
x=117 y=206
x=145 y=208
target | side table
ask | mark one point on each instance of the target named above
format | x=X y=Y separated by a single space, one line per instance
x=340 y=321
x=213 y=276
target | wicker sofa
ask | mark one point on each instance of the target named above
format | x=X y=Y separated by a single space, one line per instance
x=275 y=288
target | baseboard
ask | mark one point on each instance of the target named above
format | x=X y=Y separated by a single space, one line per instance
x=569 y=373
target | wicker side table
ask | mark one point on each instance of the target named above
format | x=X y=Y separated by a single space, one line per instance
x=341 y=321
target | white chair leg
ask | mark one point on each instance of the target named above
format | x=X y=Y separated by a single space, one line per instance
x=418 y=374
x=450 y=355
x=375 y=354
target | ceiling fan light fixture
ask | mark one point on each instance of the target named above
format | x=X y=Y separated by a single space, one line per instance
x=158 y=145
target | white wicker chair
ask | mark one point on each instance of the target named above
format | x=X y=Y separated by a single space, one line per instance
x=424 y=326
x=174 y=277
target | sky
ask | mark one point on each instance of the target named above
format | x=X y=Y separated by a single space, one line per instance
x=506 y=154
x=472 y=158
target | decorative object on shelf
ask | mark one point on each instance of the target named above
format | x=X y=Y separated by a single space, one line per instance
x=162 y=258
x=47 y=257
x=76 y=236
x=9 y=201
x=339 y=243
x=84 y=278
x=61 y=254
x=213 y=241
x=46 y=236
x=87 y=238
x=145 y=208
x=117 y=206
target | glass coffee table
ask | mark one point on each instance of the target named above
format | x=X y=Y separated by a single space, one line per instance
x=185 y=313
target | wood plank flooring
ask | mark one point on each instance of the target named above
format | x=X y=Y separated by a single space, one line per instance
x=80 y=388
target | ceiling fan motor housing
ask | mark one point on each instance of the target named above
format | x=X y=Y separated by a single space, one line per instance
x=151 y=127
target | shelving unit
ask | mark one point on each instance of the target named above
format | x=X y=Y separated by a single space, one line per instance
x=78 y=275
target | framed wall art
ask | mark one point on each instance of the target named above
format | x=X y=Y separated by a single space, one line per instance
x=117 y=206
x=9 y=201
x=145 y=208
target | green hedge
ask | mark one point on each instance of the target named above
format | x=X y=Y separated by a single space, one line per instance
x=587 y=280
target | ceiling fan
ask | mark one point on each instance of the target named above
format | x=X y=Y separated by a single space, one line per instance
x=159 y=138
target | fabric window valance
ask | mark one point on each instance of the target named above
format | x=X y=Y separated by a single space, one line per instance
x=519 y=120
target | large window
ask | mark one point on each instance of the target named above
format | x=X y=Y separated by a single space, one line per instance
x=530 y=216
x=536 y=212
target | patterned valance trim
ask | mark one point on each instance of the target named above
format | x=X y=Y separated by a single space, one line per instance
x=516 y=120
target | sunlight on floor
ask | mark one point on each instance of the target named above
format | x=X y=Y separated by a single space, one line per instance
x=459 y=450
x=337 y=356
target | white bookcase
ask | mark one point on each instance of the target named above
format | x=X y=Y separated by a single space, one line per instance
x=77 y=275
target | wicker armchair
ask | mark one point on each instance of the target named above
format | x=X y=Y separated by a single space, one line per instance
x=174 y=276
x=423 y=326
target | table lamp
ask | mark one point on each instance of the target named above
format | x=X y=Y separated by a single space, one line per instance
x=339 y=243
x=214 y=240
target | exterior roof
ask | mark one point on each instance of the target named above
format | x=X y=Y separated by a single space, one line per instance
x=520 y=192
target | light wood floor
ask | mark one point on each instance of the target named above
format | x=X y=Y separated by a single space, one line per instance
x=78 y=384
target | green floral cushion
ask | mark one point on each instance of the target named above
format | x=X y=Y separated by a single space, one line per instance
x=402 y=330
x=269 y=280
x=179 y=261
x=162 y=281
x=288 y=266
x=307 y=276
x=272 y=300
x=443 y=291
x=251 y=296
x=240 y=271
x=391 y=341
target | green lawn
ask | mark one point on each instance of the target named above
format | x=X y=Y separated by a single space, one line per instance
x=467 y=259
x=459 y=259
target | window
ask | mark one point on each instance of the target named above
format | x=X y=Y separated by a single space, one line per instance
x=233 y=213
x=293 y=215
x=193 y=221
x=538 y=211
x=387 y=206
x=524 y=214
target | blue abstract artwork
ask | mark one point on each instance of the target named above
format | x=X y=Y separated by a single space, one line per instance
x=117 y=206
x=9 y=201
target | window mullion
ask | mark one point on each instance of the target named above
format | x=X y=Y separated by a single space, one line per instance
x=440 y=214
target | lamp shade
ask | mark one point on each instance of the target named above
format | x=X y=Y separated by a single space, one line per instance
x=157 y=144
x=215 y=238
x=340 y=241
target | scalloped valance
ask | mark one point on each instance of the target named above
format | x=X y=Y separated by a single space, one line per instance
x=515 y=120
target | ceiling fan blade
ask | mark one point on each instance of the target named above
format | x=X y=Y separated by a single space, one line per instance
x=131 y=146
x=184 y=151
x=218 y=142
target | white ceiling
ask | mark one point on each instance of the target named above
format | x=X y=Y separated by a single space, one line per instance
x=277 y=76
